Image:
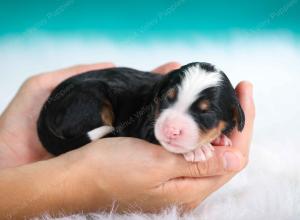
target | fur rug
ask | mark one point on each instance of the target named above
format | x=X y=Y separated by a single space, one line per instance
x=269 y=188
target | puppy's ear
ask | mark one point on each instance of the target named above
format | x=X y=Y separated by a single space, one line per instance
x=238 y=115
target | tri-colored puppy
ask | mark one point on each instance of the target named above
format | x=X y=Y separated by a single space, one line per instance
x=186 y=111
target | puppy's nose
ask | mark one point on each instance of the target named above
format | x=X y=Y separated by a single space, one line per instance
x=172 y=132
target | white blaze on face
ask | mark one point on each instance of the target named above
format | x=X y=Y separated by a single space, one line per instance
x=175 y=129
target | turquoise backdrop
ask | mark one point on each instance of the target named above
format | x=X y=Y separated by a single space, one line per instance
x=143 y=19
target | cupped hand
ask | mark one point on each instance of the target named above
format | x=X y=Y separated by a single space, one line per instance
x=135 y=175
x=19 y=143
x=131 y=172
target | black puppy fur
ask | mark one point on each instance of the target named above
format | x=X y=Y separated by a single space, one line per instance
x=128 y=100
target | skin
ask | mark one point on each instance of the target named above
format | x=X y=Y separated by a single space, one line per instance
x=127 y=173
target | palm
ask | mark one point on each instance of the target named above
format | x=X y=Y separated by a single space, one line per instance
x=18 y=123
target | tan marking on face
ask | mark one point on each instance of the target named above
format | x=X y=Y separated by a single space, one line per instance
x=236 y=115
x=106 y=113
x=171 y=93
x=212 y=134
x=203 y=105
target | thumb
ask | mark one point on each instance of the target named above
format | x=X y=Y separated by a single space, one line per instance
x=167 y=67
x=225 y=160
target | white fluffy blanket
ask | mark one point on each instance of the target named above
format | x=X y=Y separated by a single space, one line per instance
x=270 y=186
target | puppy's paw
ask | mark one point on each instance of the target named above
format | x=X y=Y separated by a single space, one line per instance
x=202 y=153
x=189 y=156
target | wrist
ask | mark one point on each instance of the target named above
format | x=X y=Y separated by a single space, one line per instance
x=54 y=186
x=84 y=192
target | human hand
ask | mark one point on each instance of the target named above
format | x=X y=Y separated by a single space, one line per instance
x=136 y=175
x=19 y=142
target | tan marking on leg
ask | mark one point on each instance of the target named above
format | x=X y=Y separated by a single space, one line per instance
x=106 y=113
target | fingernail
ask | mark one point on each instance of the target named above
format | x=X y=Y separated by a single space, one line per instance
x=231 y=161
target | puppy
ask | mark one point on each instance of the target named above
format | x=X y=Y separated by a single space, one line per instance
x=185 y=111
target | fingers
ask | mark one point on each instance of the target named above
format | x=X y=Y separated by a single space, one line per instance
x=166 y=68
x=195 y=181
x=241 y=140
x=53 y=78
x=225 y=160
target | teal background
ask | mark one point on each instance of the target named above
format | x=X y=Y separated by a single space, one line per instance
x=147 y=19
